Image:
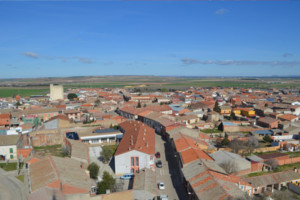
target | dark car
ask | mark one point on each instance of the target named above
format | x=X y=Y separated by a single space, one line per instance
x=157 y=155
x=72 y=135
x=159 y=164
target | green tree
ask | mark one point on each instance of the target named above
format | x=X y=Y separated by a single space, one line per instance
x=225 y=142
x=18 y=104
x=266 y=105
x=232 y=116
x=164 y=89
x=72 y=96
x=267 y=139
x=106 y=154
x=139 y=105
x=217 y=107
x=94 y=169
x=107 y=182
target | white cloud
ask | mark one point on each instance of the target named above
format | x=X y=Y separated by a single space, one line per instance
x=30 y=54
x=222 y=11
x=189 y=61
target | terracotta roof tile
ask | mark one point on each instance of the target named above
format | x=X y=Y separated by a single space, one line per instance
x=138 y=136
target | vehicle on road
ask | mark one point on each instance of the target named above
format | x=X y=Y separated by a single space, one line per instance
x=161 y=186
x=127 y=176
x=163 y=197
x=157 y=155
x=159 y=164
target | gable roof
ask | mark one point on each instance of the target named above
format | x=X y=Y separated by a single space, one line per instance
x=271 y=179
x=58 y=172
x=193 y=154
x=6 y=140
x=211 y=184
x=138 y=136
x=145 y=180
x=267 y=120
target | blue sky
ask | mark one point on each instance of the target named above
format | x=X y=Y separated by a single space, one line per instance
x=191 y=38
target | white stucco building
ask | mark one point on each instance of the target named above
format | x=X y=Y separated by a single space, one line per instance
x=8 y=147
x=137 y=148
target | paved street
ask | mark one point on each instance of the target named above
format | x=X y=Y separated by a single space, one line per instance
x=169 y=172
x=10 y=187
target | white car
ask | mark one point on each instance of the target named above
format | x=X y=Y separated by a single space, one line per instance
x=161 y=186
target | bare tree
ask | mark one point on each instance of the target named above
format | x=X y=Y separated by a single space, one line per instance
x=236 y=145
x=229 y=166
x=252 y=143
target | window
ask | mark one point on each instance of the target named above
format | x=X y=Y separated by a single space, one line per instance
x=151 y=157
x=11 y=156
x=132 y=161
x=137 y=161
x=11 y=150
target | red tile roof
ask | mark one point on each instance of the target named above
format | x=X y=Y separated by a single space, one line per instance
x=138 y=136
x=287 y=117
x=194 y=154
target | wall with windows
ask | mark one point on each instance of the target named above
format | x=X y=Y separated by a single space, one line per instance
x=100 y=139
x=133 y=161
x=8 y=153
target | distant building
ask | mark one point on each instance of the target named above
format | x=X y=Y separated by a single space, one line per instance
x=56 y=92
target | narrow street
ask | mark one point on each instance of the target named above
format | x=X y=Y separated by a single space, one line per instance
x=169 y=173
x=10 y=187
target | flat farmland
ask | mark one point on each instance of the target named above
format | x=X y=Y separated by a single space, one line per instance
x=27 y=87
x=25 y=92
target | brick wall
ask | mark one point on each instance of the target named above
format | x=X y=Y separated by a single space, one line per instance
x=288 y=161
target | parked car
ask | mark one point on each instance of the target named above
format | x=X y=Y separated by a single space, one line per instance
x=163 y=197
x=157 y=155
x=127 y=176
x=159 y=164
x=161 y=186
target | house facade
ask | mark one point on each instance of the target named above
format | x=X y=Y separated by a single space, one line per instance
x=8 y=147
x=137 y=148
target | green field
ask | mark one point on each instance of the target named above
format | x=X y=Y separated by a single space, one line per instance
x=214 y=130
x=10 y=92
x=27 y=87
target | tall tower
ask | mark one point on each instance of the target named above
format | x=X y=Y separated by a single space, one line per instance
x=56 y=92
